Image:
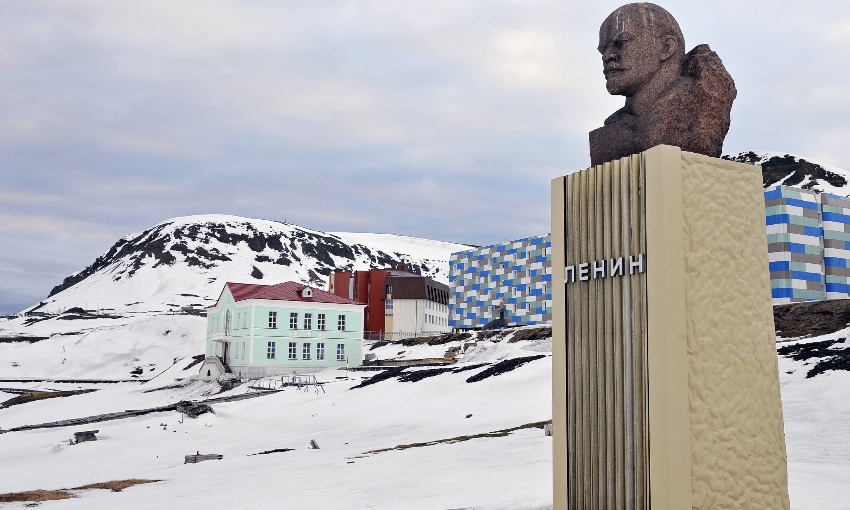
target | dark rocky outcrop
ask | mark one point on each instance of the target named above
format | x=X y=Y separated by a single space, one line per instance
x=797 y=170
x=813 y=318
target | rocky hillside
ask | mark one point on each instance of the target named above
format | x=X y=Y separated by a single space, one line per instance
x=185 y=261
x=791 y=170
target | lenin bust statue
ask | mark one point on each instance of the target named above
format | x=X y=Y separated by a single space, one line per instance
x=672 y=97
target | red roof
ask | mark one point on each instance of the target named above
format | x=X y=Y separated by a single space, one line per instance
x=286 y=291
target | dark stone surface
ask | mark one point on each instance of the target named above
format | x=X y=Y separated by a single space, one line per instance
x=813 y=318
x=672 y=97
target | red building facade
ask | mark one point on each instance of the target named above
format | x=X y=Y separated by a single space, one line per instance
x=365 y=287
x=372 y=288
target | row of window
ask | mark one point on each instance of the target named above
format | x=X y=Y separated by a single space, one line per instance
x=306 y=351
x=436 y=306
x=505 y=258
x=493 y=277
x=307 y=321
x=433 y=319
x=242 y=321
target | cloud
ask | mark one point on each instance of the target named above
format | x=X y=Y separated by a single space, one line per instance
x=441 y=119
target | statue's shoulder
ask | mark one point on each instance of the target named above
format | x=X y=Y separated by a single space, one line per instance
x=620 y=115
x=707 y=71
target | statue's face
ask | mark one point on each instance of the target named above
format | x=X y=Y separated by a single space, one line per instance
x=630 y=54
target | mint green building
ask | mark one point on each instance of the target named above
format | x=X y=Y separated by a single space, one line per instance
x=284 y=329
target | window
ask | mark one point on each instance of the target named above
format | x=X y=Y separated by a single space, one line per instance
x=320 y=351
x=293 y=350
x=308 y=321
x=320 y=322
x=340 y=352
x=305 y=351
x=389 y=304
x=389 y=290
x=273 y=320
x=270 y=350
x=544 y=306
x=340 y=325
x=293 y=320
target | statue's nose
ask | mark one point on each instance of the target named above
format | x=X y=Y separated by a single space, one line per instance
x=609 y=55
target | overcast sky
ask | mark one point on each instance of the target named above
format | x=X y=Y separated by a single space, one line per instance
x=437 y=119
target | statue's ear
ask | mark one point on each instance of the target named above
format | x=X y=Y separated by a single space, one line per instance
x=669 y=47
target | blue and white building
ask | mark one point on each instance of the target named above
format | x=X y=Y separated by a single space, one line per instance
x=808 y=236
x=511 y=280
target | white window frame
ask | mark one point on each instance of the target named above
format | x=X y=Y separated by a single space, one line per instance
x=293 y=320
x=305 y=350
x=320 y=350
x=340 y=322
x=340 y=352
x=320 y=322
x=293 y=350
x=272 y=320
x=308 y=321
x=271 y=347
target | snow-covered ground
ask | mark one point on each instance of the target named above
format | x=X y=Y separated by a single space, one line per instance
x=510 y=471
x=99 y=348
x=817 y=429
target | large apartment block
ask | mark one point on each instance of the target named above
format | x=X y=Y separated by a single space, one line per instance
x=808 y=236
x=511 y=281
x=808 y=239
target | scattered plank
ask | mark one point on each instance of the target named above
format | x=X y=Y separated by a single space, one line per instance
x=32 y=396
x=126 y=414
x=85 y=435
x=194 y=459
x=459 y=439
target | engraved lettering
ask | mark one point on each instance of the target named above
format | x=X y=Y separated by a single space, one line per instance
x=570 y=274
x=583 y=272
x=599 y=269
x=616 y=267
x=636 y=264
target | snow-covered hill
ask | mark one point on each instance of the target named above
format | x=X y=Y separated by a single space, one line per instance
x=186 y=261
x=116 y=318
x=793 y=170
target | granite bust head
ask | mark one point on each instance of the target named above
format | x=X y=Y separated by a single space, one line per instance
x=672 y=97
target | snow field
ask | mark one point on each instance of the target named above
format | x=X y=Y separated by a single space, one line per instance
x=503 y=472
x=101 y=348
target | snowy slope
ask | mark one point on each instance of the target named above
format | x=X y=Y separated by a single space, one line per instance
x=133 y=346
x=793 y=170
x=510 y=471
x=186 y=261
x=146 y=277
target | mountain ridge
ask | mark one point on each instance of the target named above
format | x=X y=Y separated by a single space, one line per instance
x=796 y=171
x=207 y=250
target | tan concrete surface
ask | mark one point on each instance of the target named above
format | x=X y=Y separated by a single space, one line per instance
x=690 y=342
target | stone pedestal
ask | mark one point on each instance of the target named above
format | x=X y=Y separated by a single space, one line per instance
x=665 y=379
